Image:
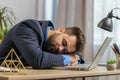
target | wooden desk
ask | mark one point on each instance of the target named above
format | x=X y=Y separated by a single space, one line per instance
x=58 y=74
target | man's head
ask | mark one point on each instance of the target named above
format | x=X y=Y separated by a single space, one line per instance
x=65 y=40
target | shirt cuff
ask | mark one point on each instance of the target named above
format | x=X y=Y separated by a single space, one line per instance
x=67 y=59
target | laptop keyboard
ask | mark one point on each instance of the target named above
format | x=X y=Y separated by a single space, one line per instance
x=78 y=67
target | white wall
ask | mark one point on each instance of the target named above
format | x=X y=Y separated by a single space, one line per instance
x=23 y=9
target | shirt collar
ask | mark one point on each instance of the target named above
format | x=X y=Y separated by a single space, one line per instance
x=48 y=28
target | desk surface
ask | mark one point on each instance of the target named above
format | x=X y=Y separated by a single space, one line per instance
x=57 y=74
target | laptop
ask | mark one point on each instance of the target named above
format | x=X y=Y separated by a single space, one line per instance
x=90 y=66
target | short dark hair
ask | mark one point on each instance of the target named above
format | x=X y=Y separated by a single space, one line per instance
x=76 y=31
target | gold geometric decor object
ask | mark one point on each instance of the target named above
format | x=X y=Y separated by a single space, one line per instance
x=12 y=64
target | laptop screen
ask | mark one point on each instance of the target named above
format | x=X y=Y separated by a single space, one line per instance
x=100 y=52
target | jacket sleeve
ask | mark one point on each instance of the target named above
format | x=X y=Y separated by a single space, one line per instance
x=81 y=59
x=27 y=43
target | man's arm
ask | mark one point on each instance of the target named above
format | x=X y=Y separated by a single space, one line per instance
x=72 y=59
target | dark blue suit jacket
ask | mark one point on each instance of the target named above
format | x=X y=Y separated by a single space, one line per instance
x=27 y=38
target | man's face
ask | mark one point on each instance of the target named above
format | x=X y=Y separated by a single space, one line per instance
x=61 y=43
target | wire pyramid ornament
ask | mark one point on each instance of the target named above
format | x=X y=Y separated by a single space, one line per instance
x=12 y=63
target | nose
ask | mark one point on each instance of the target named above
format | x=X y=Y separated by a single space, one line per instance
x=61 y=49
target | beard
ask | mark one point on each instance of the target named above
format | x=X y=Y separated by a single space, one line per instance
x=50 y=45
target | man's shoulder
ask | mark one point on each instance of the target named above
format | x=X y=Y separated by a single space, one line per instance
x=37 y=25
x=38 y=22
x=30 y=21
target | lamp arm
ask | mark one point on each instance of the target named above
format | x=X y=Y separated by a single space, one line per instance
x=112 y=14
x=115 y=8
x=116 y=17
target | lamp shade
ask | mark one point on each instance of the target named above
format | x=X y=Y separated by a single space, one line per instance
x=106 y=24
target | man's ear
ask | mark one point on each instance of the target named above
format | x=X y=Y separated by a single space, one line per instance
x=62 y=29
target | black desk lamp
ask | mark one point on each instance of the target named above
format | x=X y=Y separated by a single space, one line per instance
x=106 y=23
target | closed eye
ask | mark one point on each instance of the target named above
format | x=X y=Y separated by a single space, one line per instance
x=64 y=43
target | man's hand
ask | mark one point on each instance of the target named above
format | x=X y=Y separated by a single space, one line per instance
x=75 y=59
